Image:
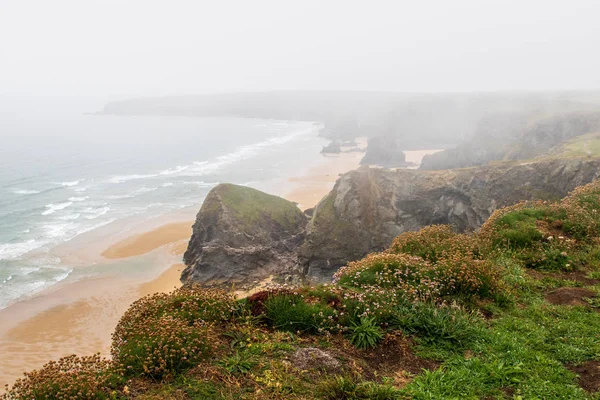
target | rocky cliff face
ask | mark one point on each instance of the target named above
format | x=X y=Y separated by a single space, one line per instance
x=242 y=235
x=368 y=208
x=514 y=137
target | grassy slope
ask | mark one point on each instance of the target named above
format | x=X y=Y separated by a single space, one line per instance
x=452 y=317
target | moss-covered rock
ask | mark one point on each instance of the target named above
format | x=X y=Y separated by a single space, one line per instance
x=242 y=235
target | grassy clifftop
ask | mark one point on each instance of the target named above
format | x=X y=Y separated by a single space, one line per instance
x=508 y=313
x=250 y=206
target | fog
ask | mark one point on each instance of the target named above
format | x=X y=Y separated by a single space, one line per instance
x=120 y=49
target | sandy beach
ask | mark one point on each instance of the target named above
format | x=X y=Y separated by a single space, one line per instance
x=80 y=317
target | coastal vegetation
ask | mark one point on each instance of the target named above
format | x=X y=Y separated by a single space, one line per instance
x=508 y=312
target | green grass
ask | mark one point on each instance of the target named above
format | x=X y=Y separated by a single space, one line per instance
x=251 y=207
x=466 y=307
x=582 y=146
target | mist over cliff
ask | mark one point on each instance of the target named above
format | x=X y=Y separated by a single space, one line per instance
x=415 y=120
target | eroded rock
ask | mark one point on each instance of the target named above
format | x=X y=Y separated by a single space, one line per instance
x=242 y=235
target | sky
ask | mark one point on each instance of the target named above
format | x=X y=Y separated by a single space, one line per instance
x=131 y=48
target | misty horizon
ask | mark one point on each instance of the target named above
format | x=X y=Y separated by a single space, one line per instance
x=122 y=50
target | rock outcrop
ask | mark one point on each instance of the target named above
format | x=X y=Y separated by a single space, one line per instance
x=242 y=235
x=384 y=152
x=332 y=148
x=369 y=207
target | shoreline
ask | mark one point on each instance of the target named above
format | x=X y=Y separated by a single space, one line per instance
x=79 y=317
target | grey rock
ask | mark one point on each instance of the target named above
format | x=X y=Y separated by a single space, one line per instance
x=242 y=235
x=369 y=207
x=383 y=151
x=313 y=358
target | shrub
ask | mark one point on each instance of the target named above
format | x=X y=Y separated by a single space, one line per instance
x=365 y=334
x=70 y=377
x=443 y=326
x=453 y=275
x=159 y=346
x=290 y=312
x=433 y=242
x=191 y=303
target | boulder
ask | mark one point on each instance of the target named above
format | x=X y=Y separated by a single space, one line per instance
x=241 y=236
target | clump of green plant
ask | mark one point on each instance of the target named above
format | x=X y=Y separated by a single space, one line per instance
x=347 y=388
x=191 y=303
x=400 y=275
x=159 y=346
x=542 y=235
x=291 y=312
x=433 y=242
x=70 y=377
x=238 y=363
x=365 y=334
x=445 y=327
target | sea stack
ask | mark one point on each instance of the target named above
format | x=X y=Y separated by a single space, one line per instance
x=241 y=236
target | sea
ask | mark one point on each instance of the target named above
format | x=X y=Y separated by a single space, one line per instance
x=65 y=173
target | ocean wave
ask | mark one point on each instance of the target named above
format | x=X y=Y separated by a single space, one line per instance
x=241 y=153
x=79 y=198
x=69 y=184
x=127 y=178
x=26 y=191
x=10 y=251
x=15 y=289
x=95 y=212
x=70 y=217
x=59 y=231
x=52 y=208
x=172 y=171
x=7 y=279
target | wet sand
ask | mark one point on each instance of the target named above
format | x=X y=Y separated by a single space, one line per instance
x=311 y=187
x=170 y=234
x=79 y=317
x=76 y=318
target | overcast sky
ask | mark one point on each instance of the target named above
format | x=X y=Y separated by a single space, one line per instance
x=160 y=47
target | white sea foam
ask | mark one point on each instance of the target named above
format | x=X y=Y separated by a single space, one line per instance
x=15 y=289
x=167 y=184
x=241 y=153
x=26 y=191
x=52 y=208
x=70 y=217
x=145 y=190
x=79 y=198
x=7 y=279
x=81 y=189
x=59 y=231
x=9 y=251
x=69 y=184
x=127 y=178
x=95 y=212
x=175 y=170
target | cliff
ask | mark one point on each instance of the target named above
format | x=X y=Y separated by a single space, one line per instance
x=514 y=137
x=368 y=208
x=242 y=235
